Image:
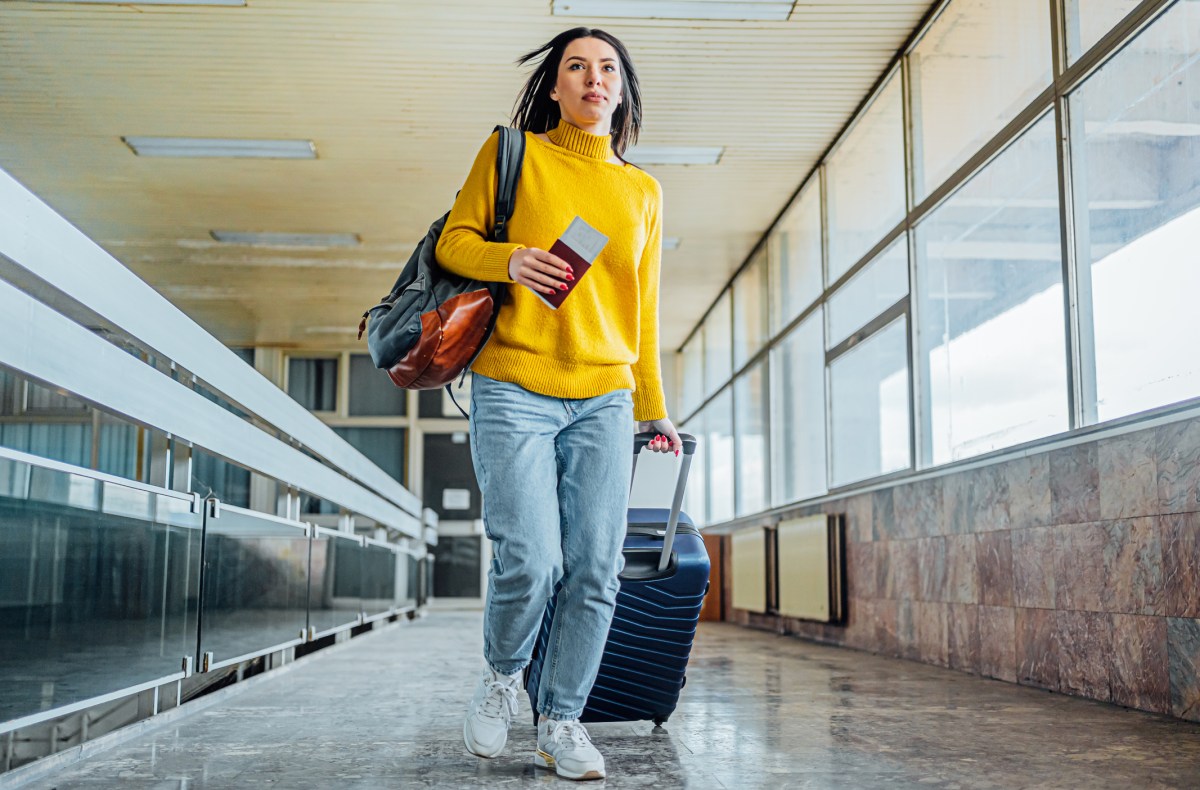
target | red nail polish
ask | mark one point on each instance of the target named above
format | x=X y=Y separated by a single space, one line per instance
x=562 y=287
x=570 y=277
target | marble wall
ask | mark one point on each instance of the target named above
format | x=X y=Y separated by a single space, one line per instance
x=1076 y=570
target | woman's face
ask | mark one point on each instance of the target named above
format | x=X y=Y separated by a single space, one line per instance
x=588 y=89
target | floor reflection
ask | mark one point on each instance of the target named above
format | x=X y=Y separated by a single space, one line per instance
x=758 y=711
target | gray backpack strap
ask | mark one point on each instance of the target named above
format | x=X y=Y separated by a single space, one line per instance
x=509 y=157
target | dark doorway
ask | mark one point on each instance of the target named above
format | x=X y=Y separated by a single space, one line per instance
x=449 y=484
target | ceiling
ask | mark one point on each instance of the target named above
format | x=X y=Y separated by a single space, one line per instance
x=397 y=96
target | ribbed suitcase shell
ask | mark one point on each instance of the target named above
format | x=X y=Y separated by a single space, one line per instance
x=645 y=658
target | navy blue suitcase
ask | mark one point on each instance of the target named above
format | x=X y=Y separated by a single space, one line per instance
x=662 y=590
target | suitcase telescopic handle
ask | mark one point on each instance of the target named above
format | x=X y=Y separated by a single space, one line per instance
x=689 y=449
x=640 y=440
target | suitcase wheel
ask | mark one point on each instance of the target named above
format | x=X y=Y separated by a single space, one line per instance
x=660 y=720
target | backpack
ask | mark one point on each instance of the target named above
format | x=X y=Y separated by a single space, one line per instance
x=433 y=324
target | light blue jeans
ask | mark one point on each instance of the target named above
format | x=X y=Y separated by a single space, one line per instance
x=554 y=474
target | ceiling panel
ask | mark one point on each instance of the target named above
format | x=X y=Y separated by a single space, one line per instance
x=397 y=97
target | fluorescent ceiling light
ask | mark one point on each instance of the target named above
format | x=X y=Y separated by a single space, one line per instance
x=674 y=155
x=204 y=147
x=149 y=2
x=727 y=10
x=670 y=242
x=287 y=239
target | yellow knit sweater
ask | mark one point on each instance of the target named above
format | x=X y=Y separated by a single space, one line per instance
x=604 y=337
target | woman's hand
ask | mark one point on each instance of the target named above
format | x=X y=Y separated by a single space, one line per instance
x=667 y=438
x=539 y=270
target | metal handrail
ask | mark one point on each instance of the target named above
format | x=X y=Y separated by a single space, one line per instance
x=38 y=240
x=51 y=348
x=9 y=454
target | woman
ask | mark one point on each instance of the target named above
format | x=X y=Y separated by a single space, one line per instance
x=555 y=393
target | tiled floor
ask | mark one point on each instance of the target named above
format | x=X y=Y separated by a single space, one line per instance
x=759 y=711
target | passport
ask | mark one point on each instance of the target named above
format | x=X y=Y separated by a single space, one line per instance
x=578 y=245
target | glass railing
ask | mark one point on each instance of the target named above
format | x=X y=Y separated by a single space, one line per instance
x=255 y=589
x=109 y=587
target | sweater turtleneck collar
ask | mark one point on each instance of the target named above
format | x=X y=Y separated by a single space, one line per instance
x=572 y=138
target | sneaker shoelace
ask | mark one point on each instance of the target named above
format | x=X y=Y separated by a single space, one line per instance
x=500 y=697
x=574 y=732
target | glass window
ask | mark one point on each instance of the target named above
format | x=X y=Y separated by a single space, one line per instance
x=1137 y=186
x=34 y=421
x=437 y=404
x=794 y=257
x=385 y=447
x=868 y=390
x=718 y=423
x=798 y=423
x=70 y=443
x=718 y=344
x=118 y=451
x=749 y=311
x=12 y=393
x=991 y=305
x=691 y=394
x=750 y=403
x=372 y=393
x=40 y=400
x=313 y=383
x=991 y=57
x=1089 y=20
x=213 y=476
x=865 y=178
x=878 y=286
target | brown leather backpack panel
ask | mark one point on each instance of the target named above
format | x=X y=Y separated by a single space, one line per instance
x=449 y=339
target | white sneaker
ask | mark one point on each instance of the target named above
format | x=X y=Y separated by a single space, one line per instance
x=491 y=712
x=566 y=747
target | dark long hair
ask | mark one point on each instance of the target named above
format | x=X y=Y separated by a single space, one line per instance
x=537 y=112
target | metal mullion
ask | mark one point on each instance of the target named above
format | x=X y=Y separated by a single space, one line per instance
x=1071 y=318
x=1026 y=118
x=866 y=260
x=773 y=408
x=1073 y=214
x=925 y=25
x=828 y=410
x=827 y=389
x=869 y=330
x=1088 y=63
x=767 y=422
x=917 y=426
x=733 y=422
